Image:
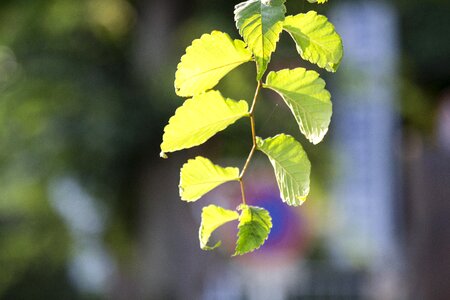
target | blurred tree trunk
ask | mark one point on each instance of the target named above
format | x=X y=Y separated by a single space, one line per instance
x=428 y=238
x=166 y=263
x=157 y=22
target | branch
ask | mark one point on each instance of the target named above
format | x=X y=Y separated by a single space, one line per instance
x=252 y=151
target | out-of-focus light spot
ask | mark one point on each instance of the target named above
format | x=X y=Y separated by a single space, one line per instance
x=91 y=268
x=113 y=16
x=77 y=207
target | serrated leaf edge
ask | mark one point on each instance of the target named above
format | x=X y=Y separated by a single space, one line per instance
x=180 y=185
x=205 y=246
x=183 y=58
x=241 y=208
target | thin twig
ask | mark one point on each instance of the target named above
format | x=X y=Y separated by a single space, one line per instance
x=242 y=191
x=247 y=161
x=258 y=87
x=252 y=151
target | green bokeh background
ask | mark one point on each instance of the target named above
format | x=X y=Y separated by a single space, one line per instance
x=85 y=89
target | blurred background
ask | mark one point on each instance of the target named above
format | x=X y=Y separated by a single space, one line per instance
x=88 y=210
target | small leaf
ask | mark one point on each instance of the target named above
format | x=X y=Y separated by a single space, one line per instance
x=317 y=1
x=260 y=23
x=254 y=228
x=198 y=176
x=200 y=118
x=212 y=218
x=291 y=165
x=305 y=94
x=206 y=61
x=316 y=40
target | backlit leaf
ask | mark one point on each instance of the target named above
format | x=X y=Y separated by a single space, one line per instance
x=291 y=165
x=198 y=176
x=212 y=218
x=254 y=228
x=260 y=23
x=316 y=40
x=200 y=118
x=317 y=1
x=305 y=94
x=206 y=61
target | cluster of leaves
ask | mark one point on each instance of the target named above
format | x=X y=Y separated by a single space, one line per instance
x=206 y=112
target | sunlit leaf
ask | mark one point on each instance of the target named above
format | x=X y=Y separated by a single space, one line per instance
x=305 y=94
x=316 y=40
x=291 y=165
x=206 y=61
x=212 y=218
x=254 y=228
x=200 y=118
x=317 y=1
x=198 y=176
x=260 y=23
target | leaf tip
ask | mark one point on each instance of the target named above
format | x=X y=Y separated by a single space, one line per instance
x=209 y=248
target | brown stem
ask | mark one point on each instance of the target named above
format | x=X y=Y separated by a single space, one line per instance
x=258 y=87
x=252 y=151
x=242 y=191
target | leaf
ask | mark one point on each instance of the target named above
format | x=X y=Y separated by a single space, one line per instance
x=199 y=176
x=212 y=218
x=291 y=165
x=317 y=1
x=305 y=94
x=260 y=23
x=200 y=118
x=316 y=40
x=206 y=61
x=254 y=228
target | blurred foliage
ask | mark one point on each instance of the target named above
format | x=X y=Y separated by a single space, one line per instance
x=68 y=106
x=425 y=60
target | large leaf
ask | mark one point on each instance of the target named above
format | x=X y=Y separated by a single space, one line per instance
x=316 y=40
x=254 y=228
x=305 y=94
x=212 y=218
x=200 y=118
x=198 y=176
x=260 y=23
x=291 y=165
x=206 y=61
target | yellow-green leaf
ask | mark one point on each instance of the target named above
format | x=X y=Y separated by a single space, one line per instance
x=200 y=118
x=260 y=23
x=206 y=61
x=212 y=218
x=317 y=1
x=305 y=94
x=316 y=40
x=198 y=176
x=254 y=228
x=291 y=165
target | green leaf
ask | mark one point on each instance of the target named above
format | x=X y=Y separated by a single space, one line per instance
x=212 y=218
x=206 y=61
x=254 y=228
x=305 y=94
x=316 y=40
x=291 y=165
x=200 y=118
x=198 y=176
x=260 y=23
x=317 y=1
